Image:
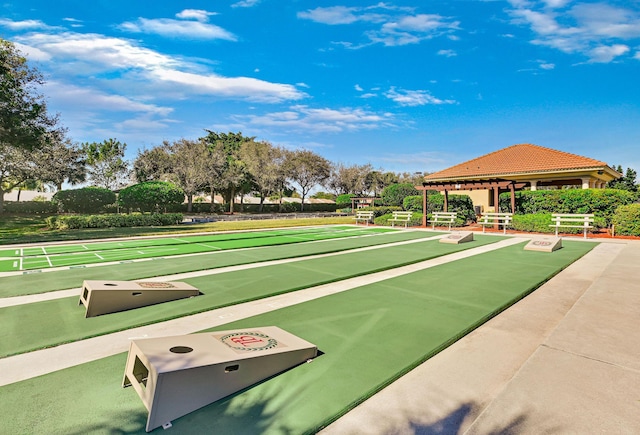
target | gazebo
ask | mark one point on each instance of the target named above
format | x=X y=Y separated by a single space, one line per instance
x=515 y=168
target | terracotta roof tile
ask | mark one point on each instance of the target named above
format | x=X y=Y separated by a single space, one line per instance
x=517 y=159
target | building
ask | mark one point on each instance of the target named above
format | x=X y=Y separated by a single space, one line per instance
x=518 y=167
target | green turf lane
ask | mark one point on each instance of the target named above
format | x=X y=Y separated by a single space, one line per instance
x=41 y=282
x=370 y=336
x=171 y=249
x=32 y=326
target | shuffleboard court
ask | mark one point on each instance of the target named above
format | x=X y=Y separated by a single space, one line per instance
x=33 y=282
x=60 y=256
x=62 y=320
x=369 y=337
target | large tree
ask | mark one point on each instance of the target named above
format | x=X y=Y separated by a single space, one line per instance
x=265 y=164
x=188 y=166
x=152 y=165
x=626 y=182
x=62 y=161
x=233 y=171
x=17 y=165
x=24 y=120
x=307 y=170
x=349 y=179
x=106 y=164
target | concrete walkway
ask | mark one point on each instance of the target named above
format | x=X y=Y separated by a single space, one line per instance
x=566 y=360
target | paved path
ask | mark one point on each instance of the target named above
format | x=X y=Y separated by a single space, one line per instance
x=28 y=365
x=566 y=360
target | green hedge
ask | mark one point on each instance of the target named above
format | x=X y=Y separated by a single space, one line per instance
x=74 y=222
x=416 y=220
x=395 y=194
x=151 y=196
x=461 y=204
x=601 y=202
x=539 y=223
x=30 y=207
x=627 y=220
x=85 y=200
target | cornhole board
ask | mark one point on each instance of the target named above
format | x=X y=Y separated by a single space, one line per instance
x=104 y=297
x=458 y=237
x=177 y=375
x=544 y=244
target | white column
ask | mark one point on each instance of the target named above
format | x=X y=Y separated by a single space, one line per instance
x=534 y=184
x=585 y=183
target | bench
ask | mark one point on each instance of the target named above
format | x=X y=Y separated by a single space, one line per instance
x=401 y=216
x=572 y=220
x=442 y=218
x=499 y=219
x=366 y=216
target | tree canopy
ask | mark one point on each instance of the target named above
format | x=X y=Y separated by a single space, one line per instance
x=24 y=120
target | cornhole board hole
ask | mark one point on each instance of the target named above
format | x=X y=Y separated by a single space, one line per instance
x=177 y=375
x=544 y=244
x=104 y=297
x=458 y=237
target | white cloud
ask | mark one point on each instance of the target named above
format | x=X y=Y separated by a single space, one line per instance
x=358 y=88
x=605 y=53
x=390 y=26
x=245 y=4
x=90 y=55
x=230 y=87
x=32 y=53
x=177 y=29
x=447 y=53
x=23 y=25
x=195 y=14
x=414 y=98
x=302 y=118
x=594 y=30
x=93 y=100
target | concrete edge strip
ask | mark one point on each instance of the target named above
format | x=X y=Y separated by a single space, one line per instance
x=40 y=362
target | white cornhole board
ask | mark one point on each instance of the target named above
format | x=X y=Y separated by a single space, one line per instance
x=104 y=297
x=544 y=244
x=177 y=375
x=458 y=237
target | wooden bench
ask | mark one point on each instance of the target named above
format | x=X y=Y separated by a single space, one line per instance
x=499 y=219
x=401 y=216
x=366 y=216
x=442 y=218
x=572 y=220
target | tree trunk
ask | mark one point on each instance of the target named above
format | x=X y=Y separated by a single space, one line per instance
x=19 y=192
x=232 y=194
x=1 y=200
x=190 y=203
x=261 y=206
x=213 y=205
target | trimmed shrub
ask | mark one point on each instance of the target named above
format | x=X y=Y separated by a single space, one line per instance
x=601 y=202
x=395 y=194
x=627 y=220
x=151 y=196
x=415 y=221
x=85 y=200
x=113 y=220
x=461 y=204
x=30 y=207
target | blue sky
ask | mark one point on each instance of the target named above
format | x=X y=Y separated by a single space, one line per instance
x=404 y=86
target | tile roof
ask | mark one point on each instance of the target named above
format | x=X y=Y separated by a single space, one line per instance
x=517 y=159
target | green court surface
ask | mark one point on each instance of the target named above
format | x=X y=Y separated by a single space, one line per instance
x=42 y=257
x=43 y=324
x=369 y=336
x=33 y=283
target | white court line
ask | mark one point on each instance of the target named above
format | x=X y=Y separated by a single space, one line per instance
x=43 y=250
x=208 y=246
x=84 y=246
x=48 y=260
x=98 y=255
x=28 y=365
